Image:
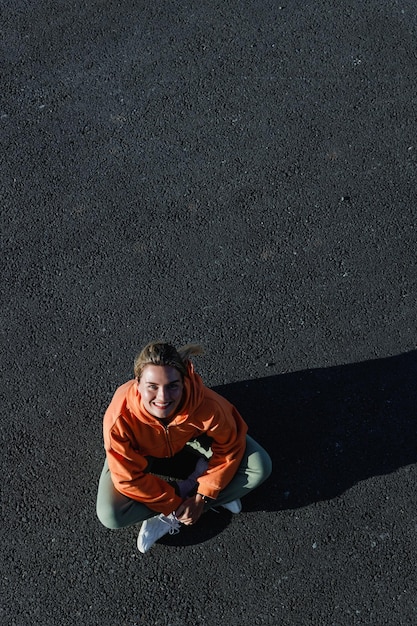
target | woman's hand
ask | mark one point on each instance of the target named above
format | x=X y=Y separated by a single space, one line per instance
x=190 y=510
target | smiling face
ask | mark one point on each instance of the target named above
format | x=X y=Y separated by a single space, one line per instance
x=161 y=389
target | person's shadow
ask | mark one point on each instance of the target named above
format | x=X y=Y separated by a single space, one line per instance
x=325 y=429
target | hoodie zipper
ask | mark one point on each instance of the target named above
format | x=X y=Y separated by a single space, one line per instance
x=170 y=455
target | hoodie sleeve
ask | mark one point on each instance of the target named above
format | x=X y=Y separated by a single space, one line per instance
x=127 y=467
x=227 y=430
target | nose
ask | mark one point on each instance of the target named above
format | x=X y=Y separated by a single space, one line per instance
x=162 y=394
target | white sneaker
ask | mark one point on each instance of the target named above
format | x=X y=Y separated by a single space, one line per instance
x=234 y=507
x=156 y=527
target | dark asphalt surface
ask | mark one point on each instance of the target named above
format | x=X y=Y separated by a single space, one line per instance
x=242 y=174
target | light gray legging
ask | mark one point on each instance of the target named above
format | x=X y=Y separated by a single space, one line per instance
x=115 y=510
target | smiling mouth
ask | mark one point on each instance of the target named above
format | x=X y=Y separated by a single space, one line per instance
x=158 y=405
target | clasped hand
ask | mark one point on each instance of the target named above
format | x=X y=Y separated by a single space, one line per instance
x=190 y=510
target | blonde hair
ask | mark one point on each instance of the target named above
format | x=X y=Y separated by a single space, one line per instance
x=161 y=353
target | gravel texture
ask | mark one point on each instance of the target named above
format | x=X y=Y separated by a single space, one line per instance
x=242 y=174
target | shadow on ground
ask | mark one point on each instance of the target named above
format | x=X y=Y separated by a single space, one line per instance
x=209 y=525
x=327 y=429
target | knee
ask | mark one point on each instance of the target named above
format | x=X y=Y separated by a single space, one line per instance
x=266 y=465
x=109 y=517
x=259 y=467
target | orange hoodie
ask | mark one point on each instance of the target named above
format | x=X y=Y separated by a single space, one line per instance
x=131 y=434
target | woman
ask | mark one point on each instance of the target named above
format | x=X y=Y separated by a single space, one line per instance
x=152 y=425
